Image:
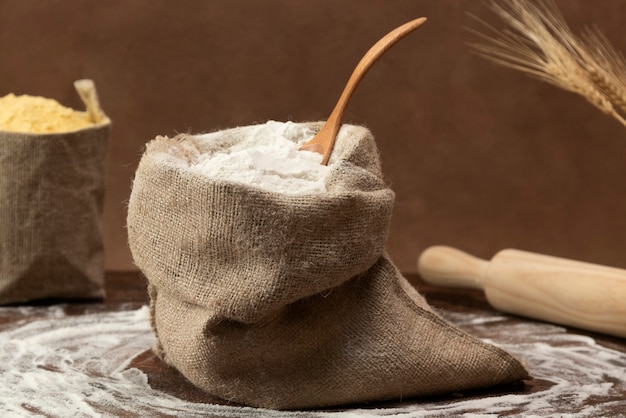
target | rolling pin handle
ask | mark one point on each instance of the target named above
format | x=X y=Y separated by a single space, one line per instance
x=447 y=266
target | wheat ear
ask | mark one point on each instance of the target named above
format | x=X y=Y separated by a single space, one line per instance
x=607 y=68
x=538 y=41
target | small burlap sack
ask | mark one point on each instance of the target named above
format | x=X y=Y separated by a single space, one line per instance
x=290 y=302
x=51 y=201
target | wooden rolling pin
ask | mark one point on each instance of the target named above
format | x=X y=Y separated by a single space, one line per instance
x=566 y=292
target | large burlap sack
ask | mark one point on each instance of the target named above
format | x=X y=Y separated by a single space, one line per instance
x=51 y=202
x=285 y=301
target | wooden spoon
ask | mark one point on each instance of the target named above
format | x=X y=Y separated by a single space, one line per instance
x=87 y=91
x=324 y=140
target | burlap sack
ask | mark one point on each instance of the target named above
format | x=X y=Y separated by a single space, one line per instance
x=51 y=201
x=289 y=302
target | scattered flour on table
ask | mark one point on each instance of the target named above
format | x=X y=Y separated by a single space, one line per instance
x=62 y=365
x=265 y=156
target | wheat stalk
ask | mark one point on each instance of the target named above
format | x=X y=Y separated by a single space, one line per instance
x=537 y=41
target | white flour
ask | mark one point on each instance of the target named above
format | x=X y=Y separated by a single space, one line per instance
x=61 y=365
x=265 y=156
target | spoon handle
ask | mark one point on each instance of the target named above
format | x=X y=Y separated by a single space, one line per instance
x=87 y=91
x=324 y=140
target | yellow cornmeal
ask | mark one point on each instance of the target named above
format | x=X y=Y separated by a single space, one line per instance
x=33 y=114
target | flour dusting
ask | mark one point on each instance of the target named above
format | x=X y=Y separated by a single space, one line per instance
x=55 y=364
x=265 y=156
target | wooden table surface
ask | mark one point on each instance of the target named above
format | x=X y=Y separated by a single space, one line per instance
x=94 y=359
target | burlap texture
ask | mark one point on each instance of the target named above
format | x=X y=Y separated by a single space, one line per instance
x=51 y=200
x=290 y=302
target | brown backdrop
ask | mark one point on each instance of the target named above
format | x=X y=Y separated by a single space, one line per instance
x=480 y=157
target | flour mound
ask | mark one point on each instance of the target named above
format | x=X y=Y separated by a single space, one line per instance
x=266 y=156
x=34 y=114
